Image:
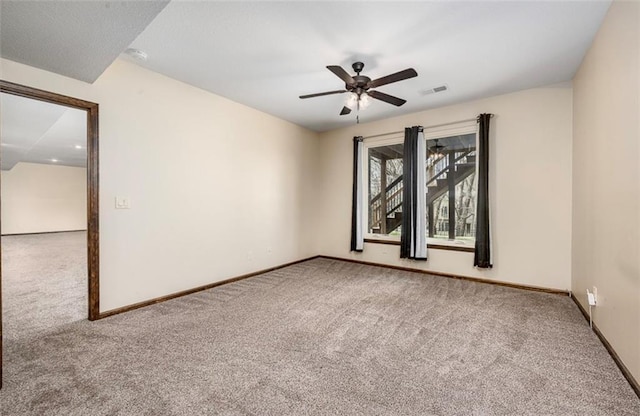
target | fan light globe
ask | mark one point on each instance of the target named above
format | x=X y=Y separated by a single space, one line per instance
x=365 y=101
x=352 y=100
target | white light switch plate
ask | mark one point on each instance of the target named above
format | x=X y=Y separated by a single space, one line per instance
x=123 y=202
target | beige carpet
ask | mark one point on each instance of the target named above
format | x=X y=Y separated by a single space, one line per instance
x=325 y=337
x=44 y=282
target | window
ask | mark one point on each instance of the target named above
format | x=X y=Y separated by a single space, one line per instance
x=451 y=187
x=385 y=189
x=450 y=192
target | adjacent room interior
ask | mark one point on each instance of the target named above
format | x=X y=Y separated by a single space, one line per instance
x=303 y=212
x=44 y=215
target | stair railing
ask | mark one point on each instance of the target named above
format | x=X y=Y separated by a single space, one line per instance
x=394 y=190
x=442 y=174
x=393 y=201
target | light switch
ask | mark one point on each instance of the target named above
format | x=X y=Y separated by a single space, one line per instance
x=123 y=202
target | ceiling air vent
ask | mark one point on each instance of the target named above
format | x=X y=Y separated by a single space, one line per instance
x=441 y=88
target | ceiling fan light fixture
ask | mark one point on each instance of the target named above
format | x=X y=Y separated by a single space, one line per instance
x=436 y=151
x=365 y=101
x=351 y=101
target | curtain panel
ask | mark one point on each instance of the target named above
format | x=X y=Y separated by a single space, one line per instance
x=413 y=239
x=482 y=258
x=357 y=234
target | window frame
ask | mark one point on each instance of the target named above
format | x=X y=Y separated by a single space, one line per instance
x=430 y=133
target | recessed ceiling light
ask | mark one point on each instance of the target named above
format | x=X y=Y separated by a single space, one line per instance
x=78 y=146
x=137 y=54
x=54 y=160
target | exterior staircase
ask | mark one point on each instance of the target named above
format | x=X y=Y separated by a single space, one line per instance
x=454 y=167
x=438 y=185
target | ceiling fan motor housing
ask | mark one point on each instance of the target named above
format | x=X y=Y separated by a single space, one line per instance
x=360 y=81
x=360 y=84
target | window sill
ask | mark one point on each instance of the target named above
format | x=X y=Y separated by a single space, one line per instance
x=435 y=246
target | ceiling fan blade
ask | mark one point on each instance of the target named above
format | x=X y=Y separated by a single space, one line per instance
x=386 y=98
x=320 y=94
x=342 y=74
x=398 y=76
x=345 y=110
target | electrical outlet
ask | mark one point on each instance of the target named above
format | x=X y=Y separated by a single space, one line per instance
x=595 y=295
x=591 y=299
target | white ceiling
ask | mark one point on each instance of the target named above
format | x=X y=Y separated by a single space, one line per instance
x=265 y=54
x=37 y=132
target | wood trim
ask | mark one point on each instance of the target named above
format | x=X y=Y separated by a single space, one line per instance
x=452 y=248
x=93 y=212
x=44 y=232
x=196 y=289
x=387 y=242
x=42 y=95
x=93 y=241
x=454 y=276
x=432 y=246
x=616 y=358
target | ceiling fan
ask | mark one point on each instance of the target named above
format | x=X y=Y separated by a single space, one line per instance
x=436 y=149
x=360 y=87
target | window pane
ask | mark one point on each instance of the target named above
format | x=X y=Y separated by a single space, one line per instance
x=385 y=189
x=440 y=217
x=451 y=182
x=466 y=208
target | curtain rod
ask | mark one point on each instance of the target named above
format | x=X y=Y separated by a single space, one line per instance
x=426 y=127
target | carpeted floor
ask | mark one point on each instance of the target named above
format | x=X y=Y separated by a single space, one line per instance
x=44 y=282
x=325 y=337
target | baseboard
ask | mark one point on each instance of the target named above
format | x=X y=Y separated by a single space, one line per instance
x=248 y=275
x=43 y=232
x=455 y=276
x=625 y=371
x=154 y=301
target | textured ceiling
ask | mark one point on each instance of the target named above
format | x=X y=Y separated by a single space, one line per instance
x=265 y=54
x=37 y=132
x=78 y=39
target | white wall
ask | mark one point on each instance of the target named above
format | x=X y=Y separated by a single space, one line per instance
x=43 y=198
x=530 y=184
x=217 y=189
x=606 y=193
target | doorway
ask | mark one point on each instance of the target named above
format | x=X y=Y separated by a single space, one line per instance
x=92 y=224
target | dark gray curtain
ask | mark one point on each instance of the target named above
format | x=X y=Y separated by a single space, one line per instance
x=413 y=244
x=357 y=236
x=482 y=258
